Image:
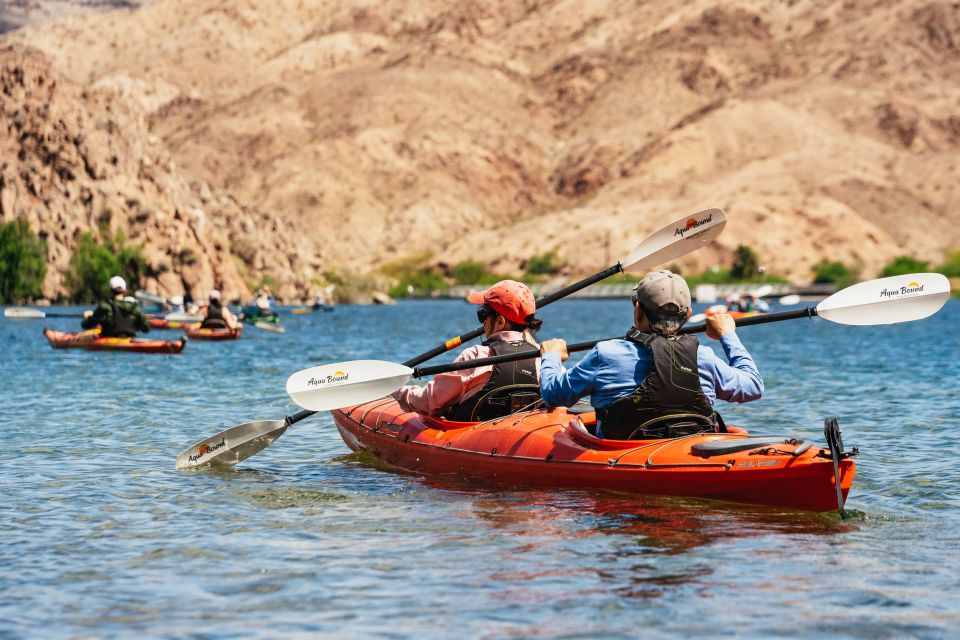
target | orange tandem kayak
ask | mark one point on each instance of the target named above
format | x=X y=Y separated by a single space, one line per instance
x=553 y=448
x=198 y=333
x=91 y=341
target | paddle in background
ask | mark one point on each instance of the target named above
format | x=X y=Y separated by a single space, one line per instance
x=28 y=313
x=342 y=384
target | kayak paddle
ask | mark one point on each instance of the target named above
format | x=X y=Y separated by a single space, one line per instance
x=26 y=313
x=875 y=302
x=668 y=243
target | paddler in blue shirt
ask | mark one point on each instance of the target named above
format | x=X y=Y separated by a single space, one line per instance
x=653 y=372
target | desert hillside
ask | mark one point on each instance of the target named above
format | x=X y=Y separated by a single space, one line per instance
x=75 y=159
x=497 y=129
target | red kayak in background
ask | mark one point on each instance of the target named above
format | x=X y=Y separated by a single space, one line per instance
x=221 y=333
x=554 y=448
x=91 y=341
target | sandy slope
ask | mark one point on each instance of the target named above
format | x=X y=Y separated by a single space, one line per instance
x=825 y=128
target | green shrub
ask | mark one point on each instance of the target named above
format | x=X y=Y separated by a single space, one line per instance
x=951 y=268
x=92 y=264
x=23 y=262
x=544 y=264
x=710 y=276
x=422 y=281
x=746 y=264
x=834 y=272
x=903 y=265
x=468 y=272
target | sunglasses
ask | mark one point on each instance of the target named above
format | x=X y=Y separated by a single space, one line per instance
x=483 y=313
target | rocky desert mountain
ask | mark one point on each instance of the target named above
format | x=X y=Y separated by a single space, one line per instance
x=495 y=129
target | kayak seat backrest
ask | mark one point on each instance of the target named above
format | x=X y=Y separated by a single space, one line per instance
x=581 y=406
x=504 y=401
x=675 y=425
x=213 y=323
x=735 y=445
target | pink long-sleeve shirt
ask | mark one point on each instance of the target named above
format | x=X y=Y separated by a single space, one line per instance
x=448 y=389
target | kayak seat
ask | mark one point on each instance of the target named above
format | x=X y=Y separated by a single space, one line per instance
x=505 y=401
x=581 y=406
x=214 y=323
x=724 y=447
x=673 y=426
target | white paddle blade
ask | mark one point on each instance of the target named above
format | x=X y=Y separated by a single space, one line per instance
x=789 y=299
x=232 y=445
x=23 y=312
x=267 y=326
x=765 y=290
x=149 y=297
x=888 y=300
x=676 y=240
x=179 y=316
x=343 y=384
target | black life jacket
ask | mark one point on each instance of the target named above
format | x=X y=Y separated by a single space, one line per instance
x=512 y=386
x=672 y=387
x=121 y=325
x=214 y=319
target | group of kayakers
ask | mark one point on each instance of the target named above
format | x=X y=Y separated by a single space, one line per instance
x=647 y=377
x=121 y=316
x=652 y=373
x=750 y=303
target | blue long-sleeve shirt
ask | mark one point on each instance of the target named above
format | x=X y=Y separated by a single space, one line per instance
x=614 y=368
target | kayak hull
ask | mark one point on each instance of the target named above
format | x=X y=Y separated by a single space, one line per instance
x=553 y=449
x=736 y=315
x=162 y=323
x=91 y=341
x=199 y=333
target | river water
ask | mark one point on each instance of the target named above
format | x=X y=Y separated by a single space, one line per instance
x=103 y=538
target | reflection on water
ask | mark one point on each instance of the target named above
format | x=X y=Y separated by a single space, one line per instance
x=102 y=537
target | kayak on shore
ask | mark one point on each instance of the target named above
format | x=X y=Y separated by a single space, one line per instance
x=554 y=448
x=91 y=341
x=220 y=333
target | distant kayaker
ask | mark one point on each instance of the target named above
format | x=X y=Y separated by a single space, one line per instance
x=118 y=317
x=483 y=393
x=653 y=372
x=216 y=315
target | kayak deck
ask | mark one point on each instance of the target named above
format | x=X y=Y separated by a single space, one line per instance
x=553 y=448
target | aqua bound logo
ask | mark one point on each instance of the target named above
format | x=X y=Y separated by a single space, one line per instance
x=204 y=449
x=913 y=287
x=691 y=224
x=338 y=376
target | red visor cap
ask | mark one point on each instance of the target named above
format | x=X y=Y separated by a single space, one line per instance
x=511 y=299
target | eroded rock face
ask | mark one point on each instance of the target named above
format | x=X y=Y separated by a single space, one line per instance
x=76 y=159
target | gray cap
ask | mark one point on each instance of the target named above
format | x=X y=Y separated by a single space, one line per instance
x=663 y=287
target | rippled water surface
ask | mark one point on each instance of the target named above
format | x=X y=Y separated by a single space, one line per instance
x=103 y=538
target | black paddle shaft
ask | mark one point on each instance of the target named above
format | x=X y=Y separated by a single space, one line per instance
x=420 y=372
x=542 y=302
x=470 y=335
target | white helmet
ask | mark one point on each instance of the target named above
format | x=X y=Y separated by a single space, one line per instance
x=118 y=284
x=214 y=294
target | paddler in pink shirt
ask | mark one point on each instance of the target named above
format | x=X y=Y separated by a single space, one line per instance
x=492 y=391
